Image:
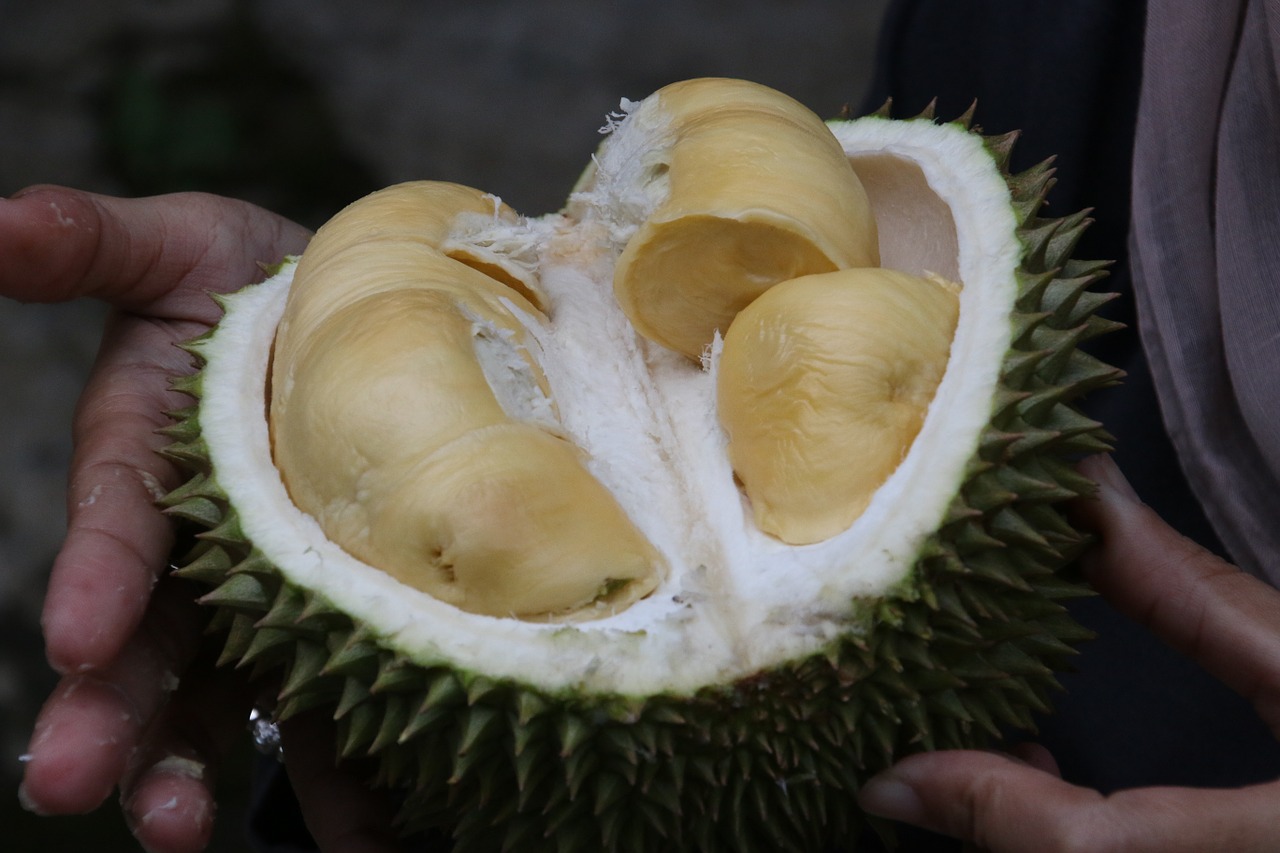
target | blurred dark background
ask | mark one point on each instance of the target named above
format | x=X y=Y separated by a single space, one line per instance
x=301 y=106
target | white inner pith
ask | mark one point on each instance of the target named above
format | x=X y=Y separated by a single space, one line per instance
x=735 y=600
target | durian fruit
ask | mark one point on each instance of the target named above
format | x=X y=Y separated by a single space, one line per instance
x=663 y=521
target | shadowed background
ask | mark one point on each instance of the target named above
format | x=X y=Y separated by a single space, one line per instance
x=301 y=107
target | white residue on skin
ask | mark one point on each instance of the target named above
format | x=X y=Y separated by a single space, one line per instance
x=152 y=485
x=168 y=805
x=63 y=220
x=92 y=499
x=168 y=682
x=38 y=738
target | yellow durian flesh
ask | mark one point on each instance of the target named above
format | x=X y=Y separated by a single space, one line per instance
x=386 y=427
x=378 y=371
x=824 y=382
x=507 y=521
x=752 y=189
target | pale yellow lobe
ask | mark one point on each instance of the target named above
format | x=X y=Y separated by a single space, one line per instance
x=754 y=190
x=435 y=215
x=507 y=521
x=410 y=418
x=823 y=384
x=371 y=392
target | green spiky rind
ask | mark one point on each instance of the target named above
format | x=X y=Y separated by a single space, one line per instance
x=967 y=647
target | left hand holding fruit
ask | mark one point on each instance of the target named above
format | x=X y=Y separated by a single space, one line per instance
x=132 y=709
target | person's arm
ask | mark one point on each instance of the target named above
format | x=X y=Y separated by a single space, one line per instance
x=139 y=706
x=1225 y=620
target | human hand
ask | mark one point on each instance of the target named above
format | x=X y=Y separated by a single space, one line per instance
x=1225 y=620
x=121 y=633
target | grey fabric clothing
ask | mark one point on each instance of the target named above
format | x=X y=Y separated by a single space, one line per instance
x=1205 y=256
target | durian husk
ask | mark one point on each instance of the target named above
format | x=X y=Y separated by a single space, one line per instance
x=967 y=648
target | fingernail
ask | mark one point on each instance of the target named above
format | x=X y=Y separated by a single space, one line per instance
x=24 y=800
x=888 y=796
x=179 y=766
x=1111 y=480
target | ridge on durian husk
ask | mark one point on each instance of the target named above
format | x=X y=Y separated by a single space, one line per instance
x=967 y=647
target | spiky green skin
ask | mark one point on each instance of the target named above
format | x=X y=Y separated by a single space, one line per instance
x=969 y=645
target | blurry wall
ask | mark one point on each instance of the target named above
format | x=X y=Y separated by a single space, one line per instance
x=302 y=105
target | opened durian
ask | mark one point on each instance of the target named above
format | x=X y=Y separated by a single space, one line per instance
x=663 y=521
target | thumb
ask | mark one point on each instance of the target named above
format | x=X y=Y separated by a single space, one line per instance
x=1004 y=806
